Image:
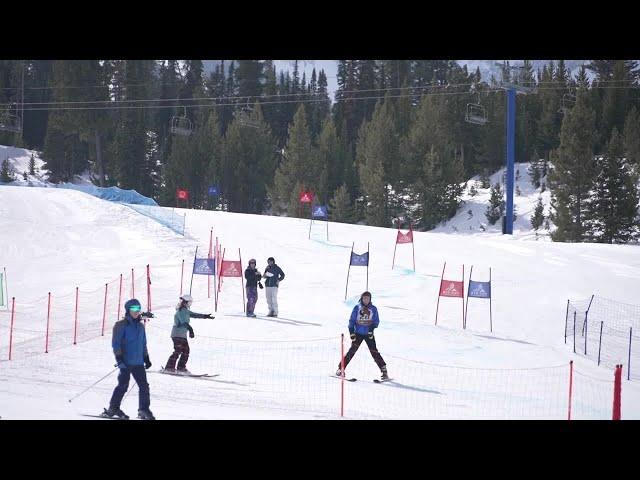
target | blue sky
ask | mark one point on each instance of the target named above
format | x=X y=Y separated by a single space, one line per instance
x=330 y=67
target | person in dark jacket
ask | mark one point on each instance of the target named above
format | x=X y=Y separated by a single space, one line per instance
x=274 y=275
x=179 y=335
x=129 y=344
x=364 y=319
x=252 y=276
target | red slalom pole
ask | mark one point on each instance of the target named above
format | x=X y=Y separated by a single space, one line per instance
x=181 y=276
x=13 y=311
x=617 y=391
x=148 y=288
x=343 y=375
x=242 y=282
x=208 y=276
x=440 y=288
x=119 y=298
x=570 y=386
x=104 y=310
x=46 y=341
x=463 y=323
x=75 y=323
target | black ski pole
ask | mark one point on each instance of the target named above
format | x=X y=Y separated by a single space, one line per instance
x=93 y=385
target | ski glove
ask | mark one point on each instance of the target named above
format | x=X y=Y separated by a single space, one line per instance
x=353 y=336
x=120 y=362
x=260 y=285
x=147 y=315
x=209 y=315
x=147 y=362
x=191 y=334
x=371 y=334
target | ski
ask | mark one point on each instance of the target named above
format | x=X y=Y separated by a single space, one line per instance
x=375 y=380
x=192 y=375
x=103 y=417
x=347 y=379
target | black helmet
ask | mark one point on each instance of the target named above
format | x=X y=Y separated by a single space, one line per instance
x=271 y=259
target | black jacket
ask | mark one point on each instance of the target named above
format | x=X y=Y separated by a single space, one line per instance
x=252 y=277
x=278 y=275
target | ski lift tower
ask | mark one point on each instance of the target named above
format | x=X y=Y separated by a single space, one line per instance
x=513 y=85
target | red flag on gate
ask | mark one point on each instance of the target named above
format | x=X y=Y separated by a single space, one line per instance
x=182 y=194
x=404 y=237
x=449 y=288
x=306 y=197
x=230 y=268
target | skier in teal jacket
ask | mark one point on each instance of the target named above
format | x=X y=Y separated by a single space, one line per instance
x=179 y=332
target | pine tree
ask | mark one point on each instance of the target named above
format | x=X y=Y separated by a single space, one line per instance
x=37 y=74
x=32 y=165
x=537 y=219
x=496 y=208
x=6 y=174
x=371 y=174
x=613 y=207
x=340 y=206
x=210 y=147
x=573 y=170
x=248 y=162
x=377 y=154
x=134 y=166
x=298 y=165
x=331 y=159
x=71 y=134
x=549 y=100
x=632 y=138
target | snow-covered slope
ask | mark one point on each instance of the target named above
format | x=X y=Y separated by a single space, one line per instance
x=53 y=240
x=471 y=218
x=19 y=159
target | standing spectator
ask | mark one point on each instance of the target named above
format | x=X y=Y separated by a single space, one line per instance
x=252 y=276
x=274 y=275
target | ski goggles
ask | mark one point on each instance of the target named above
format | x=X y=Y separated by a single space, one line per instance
x=135 y=308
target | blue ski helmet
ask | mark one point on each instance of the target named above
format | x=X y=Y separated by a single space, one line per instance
x=132 y=303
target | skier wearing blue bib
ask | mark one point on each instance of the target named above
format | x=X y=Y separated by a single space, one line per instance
x=364 y=319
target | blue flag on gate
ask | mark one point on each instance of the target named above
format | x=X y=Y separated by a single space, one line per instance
x=213 y=190
x=479 y=289
x=204 y=266
x=360 y=260
x=319 y=211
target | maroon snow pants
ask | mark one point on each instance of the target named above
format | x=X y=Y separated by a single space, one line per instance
x=180 y=349
x=371 y=343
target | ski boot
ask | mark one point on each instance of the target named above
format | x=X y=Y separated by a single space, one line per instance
x=384 y=376
x=183 y=371
x=114 y=412
x=145 y=414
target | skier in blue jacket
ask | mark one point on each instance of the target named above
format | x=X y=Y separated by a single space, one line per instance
x=364 y=319
x=129 y=344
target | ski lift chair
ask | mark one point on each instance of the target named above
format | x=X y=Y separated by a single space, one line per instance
x=567 y=103
x=11 y=123
x=476 y=114
x=181 y=125
x=244 y=117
